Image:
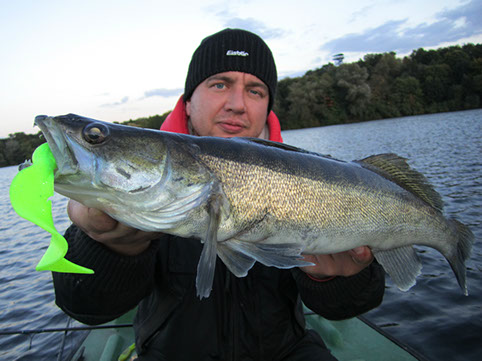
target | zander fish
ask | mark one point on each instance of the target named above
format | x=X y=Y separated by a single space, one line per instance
x=253 y=200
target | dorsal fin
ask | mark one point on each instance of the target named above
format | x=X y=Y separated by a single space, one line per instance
x=284 y=146
x=396 y=169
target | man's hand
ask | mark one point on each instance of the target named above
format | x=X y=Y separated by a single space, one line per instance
x=345 y=264
x=106 y=230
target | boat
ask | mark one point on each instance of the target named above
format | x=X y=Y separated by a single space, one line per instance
x=358 y=339
x=113 y=341
x=355 y=339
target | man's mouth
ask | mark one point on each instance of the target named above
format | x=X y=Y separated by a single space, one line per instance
x=231 y=127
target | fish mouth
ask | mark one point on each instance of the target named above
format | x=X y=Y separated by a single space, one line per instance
x=58 y=142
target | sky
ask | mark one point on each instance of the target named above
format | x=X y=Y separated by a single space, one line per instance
x=125 y=59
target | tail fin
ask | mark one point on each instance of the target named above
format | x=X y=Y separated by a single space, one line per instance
x=460 y=252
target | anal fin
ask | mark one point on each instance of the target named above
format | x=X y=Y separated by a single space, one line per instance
x=241 y=256
x=402 y=265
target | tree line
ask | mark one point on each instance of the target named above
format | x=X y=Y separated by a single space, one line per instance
x=378 y=86
x=383 y=86
x=19 y=147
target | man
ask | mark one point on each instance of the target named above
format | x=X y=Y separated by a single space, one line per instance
x=229 y=91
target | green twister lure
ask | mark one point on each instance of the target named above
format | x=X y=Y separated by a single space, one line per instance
x=29 y=194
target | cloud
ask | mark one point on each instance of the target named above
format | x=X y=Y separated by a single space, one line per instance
x=230 y=20
x=162 y=93
x=394 y=35
x=361 y=13
x=255 y=26
x=116 y=104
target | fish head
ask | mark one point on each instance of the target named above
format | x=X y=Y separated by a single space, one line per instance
x=101 y=163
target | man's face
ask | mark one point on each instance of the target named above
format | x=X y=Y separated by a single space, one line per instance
x=230 y=104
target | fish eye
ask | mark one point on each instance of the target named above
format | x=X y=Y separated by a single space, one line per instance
x=95 y=133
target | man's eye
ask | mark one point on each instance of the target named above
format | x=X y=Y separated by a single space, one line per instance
x=258 y=93
x=219 y=86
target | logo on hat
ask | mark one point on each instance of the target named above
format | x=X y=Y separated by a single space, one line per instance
x=237 y=53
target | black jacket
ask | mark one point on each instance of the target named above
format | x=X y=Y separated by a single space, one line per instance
x=258 y=317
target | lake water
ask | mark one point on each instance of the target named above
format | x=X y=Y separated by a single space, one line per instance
x=433 y=317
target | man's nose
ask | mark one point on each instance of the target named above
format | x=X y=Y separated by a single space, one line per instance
x=235 y=101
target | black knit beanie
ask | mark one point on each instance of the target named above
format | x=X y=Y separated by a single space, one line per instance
x=232 y=50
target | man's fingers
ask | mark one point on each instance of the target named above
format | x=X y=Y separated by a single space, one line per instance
x=100 y=222
x=90 y=220
x=106 y=230
x=361 y=255
x=339 y=264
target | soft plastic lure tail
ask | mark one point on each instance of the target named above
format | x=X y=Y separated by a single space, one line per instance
x=29 y=194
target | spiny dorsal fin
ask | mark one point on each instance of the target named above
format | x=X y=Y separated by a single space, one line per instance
x=396 y=169
x=284 y=146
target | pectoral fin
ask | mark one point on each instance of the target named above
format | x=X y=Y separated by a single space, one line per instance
x=402 y=265
x=238 y=263
x=207 y=262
